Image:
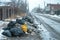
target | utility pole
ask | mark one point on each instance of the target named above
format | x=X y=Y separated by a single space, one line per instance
x=44 y=7
x=44 y=3
x=39 y=7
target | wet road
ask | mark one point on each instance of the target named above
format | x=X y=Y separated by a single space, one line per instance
x=51 y=17
x=52 y=26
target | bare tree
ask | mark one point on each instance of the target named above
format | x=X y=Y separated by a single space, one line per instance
x=20 y=4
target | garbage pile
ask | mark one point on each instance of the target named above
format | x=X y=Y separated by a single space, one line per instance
x=13 y=31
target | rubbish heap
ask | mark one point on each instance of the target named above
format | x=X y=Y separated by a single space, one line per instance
x=12 y=30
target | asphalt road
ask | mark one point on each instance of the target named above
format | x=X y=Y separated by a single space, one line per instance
x=52 y=26
x=53 y=18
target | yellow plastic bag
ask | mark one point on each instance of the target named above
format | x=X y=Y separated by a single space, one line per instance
x=24 y=27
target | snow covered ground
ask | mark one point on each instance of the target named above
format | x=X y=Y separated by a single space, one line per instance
x=2 y=37
x=52 y=23
x=57 y=16
x=2 y=23
x=44 y=33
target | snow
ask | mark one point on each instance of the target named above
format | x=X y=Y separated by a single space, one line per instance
x=1 y=33
x=53 y=24
x=57 y=16
x=10 y=20
x=2 y=37
x=54 y=16
x=1 y=24
x=45 y=35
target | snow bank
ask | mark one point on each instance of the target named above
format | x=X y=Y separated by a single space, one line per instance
x=57 y=16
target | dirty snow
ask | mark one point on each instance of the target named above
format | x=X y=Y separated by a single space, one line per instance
x=57 y=16
x=53 y=24
x=44 y=33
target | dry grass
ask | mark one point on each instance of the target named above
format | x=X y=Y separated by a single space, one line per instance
x=15 y=16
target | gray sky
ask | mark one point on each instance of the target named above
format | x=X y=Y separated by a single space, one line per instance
x=4 y=0
x=35 y=3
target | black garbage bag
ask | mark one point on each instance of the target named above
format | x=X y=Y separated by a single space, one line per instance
x=16 y=31
x=11 y=25
x=20 y=21
x=29 y=19
x=6 y=28
x=24 y=18
x=34 y=25
x=7 y=33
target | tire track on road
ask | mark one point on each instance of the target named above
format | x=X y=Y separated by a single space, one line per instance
x=49 y=28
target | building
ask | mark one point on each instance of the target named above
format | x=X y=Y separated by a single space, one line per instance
x=6 y=12
x=52 y=8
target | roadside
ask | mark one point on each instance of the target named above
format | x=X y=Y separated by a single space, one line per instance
x=32 y=36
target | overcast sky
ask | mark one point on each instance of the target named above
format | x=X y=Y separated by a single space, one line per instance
x=35 y=3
